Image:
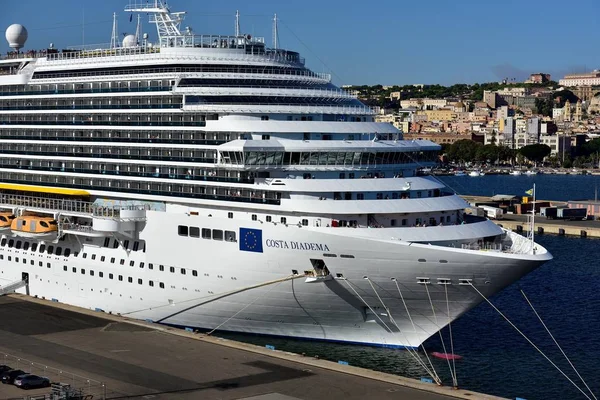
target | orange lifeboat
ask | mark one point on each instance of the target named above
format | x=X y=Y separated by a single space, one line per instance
x=34 y=226
x=6 y=218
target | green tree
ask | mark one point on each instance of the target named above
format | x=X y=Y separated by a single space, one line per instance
x=464 y=150
x=535 y=152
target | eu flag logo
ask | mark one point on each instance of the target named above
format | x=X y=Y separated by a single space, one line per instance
x=251 y=240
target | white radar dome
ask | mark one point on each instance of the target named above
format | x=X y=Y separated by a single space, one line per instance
x=16 y=36
x=129 y=41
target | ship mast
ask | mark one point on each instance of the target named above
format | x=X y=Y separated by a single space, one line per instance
x=237 y=23
x=114 y=39
x=532 y=223
x=167 y=22
x=275 y=33
x=138 y=30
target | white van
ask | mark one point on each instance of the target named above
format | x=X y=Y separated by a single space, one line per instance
x=493 y=212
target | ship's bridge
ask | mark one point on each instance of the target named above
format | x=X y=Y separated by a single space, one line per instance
x=269 y=154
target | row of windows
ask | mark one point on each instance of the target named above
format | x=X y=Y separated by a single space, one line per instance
x=34 y=247
x=112 y=276
x=206 y=233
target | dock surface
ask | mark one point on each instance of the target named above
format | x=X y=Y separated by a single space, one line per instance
x=138 y=360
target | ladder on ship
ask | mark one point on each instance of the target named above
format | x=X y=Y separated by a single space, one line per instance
x=13 y=286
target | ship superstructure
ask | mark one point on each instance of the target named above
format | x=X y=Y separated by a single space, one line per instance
x=211 y=181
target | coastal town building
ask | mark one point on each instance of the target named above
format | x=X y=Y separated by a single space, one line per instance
x=539 y=78
x=584 y=79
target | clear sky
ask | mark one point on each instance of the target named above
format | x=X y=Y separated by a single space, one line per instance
x=363 y=42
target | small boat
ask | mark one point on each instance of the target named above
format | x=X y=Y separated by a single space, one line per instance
x=6 y=218
x=35 y=226
x=459 y=173
x=446 y=356
x=516 y=172
x=476 y=173
x=531 y=172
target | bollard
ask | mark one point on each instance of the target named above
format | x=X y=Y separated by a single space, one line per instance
x=561 y=232
x=519 y=228
x=583 y=234
x=540 y=230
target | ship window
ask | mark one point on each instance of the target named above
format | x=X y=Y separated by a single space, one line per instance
x=360 y=196
x=18 y=246
x=305 y=222
x=34 y=246
x=1 y=257
x=112 y=260
x=91 y=272
x=16 y=259
x=283 y=220
x=101 y=274
x=254 y=217
x=11 y=243
x=393 y=222
x=120 y=277
x=151 y=283
x=346 y=256
x=26 y=246
x=141 y=265
x=172 y=269
x=110 y=276
x=122 y=262
x=404 y=222
x=10 y=258
x=130 y=279
x=329 y=255
x=182 y=230
x=58 y=251
x=32 y=262
x=136 y=245
x=206 y=233
x=3 y=242
x=126 y=244
x=161 y=267
x=42 y=223
x=74 y=269
x=217 y=234
x=269 y=218
x=106 y=242
x=194 y=231
x=93 y=256
x=115 y=244
x=230 y=215
x=162 y=285
x=82 y=271
x=24 y=261
x=139 y=281
x=182 y=271
x=194 y=272
x=102 y=258
x=84 y=255
x=150 y=266
x=64 y=267
x=131 y=263
x=230 y=236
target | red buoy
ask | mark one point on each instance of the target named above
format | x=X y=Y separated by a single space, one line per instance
x=446 y=356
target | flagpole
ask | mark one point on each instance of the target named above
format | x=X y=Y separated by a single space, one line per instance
x=533 y=222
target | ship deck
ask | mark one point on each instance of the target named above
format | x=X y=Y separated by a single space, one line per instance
x=139 y=360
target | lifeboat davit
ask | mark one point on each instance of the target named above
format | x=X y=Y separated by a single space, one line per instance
x=34 y=226
x=6 y=218
x=446 y=356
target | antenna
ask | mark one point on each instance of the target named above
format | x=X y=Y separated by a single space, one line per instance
x=275 y=33
x=114 y=39
x=83 y=27
x=237 y=23
x=138 y=30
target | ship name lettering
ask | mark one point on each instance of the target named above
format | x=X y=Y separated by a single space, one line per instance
x=293 y=245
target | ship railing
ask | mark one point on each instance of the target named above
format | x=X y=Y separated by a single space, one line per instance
x=262 y=90
x=280 y=108
x=483 y=246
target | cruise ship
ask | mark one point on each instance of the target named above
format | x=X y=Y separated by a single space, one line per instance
x=215 y=182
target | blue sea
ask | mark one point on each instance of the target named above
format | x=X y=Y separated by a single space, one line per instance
x=496 y=359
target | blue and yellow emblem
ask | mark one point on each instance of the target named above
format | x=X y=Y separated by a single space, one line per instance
x=251 y=240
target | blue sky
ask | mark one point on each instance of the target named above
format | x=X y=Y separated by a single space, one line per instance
x=360 y=42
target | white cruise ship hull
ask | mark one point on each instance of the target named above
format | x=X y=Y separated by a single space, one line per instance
x=377 y=297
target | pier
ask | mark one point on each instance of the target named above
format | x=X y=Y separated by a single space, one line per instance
x=116 y=357
x=518 y=222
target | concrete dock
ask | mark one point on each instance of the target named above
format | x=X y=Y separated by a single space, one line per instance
x=112 y=357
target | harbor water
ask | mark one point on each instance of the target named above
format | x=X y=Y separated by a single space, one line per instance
x=496 y=359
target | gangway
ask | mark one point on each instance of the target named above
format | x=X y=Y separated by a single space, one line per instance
x=11 y=287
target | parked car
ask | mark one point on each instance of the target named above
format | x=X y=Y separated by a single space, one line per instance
x=9 y=377
x=29 y=381
x=4 y=368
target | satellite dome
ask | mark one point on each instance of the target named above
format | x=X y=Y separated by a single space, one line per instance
x=129 y=41
x=16 y=36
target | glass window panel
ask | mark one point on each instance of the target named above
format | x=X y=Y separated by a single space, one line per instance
x=278 y=159
x=332 y=158
x=304 y=158
x=260 y=158
x=323 y=158
x=349 y=158
x=340 y=158
x=251 y=158
x=270 y=158
x=314 y=158
x=356 y=159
